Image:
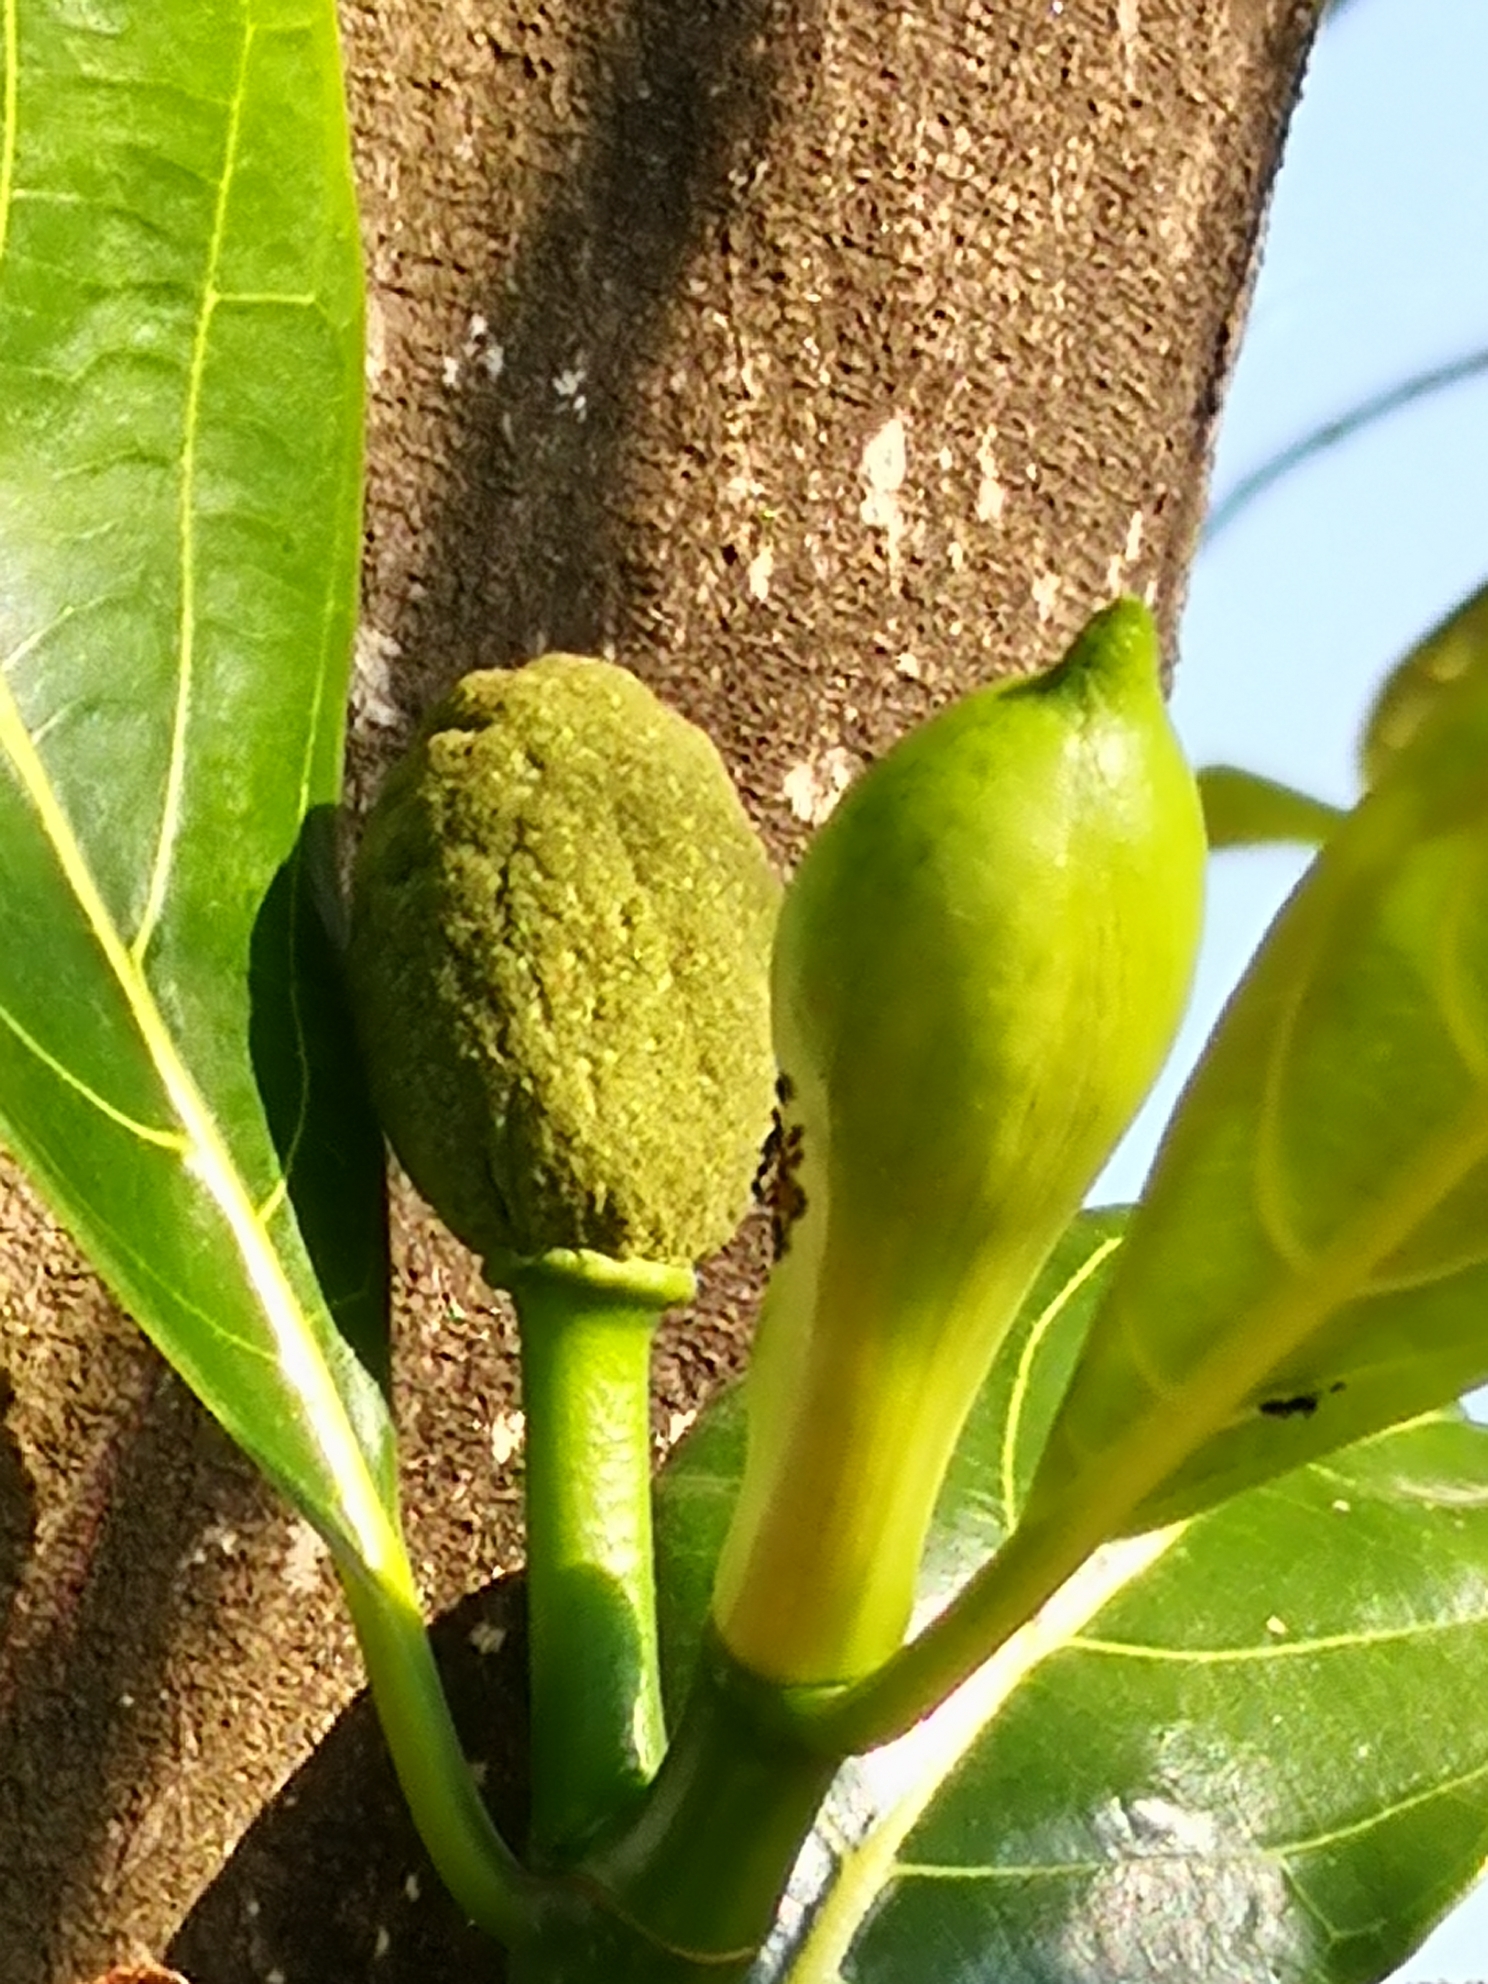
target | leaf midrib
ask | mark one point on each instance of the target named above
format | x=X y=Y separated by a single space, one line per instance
x=198 y=1144
x=206 y=1156
x=175 y=774
x=1181 y=1416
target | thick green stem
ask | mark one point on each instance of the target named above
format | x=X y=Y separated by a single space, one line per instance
x=472 y=1859
x=597 y=1730
x=700 y=1867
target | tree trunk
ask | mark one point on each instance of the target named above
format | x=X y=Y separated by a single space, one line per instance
x=816 y=358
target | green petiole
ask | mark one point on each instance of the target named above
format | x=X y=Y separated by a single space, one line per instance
x=597 y=1728
x=471 y=1857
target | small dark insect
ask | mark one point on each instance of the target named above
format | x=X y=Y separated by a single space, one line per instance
x=1303 y=1406
x=776 y=1185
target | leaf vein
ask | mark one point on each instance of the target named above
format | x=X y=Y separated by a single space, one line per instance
x=210 y=1162
x=175 y=777
x=1023 y=1377
x=280 y=298
x=1272 y=1213
x=1155 y=1442
x=926 y=1870
x=1287 y=1649
x=34 y=640
x=917 y=1764
x=172 y=1140
x=1445 y=1788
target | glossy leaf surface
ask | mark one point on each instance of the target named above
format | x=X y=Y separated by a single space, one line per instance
x=180 y=415
x=1310 y=1260
x=1247 y=1747
x=1243 y=810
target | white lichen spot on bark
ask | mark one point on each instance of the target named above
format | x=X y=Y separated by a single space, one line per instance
x=908 y=665
x=372 y=699
x=1129 y=27
x=304 y=1559
x=677 y=1424
x=219 y=1536
x=991 y=496
x=883 y=466
x=1120 y=563
x=1045 y=590
x=374 y=360
x=812 y=788
x=568 y=386
x=508 y=1432
x=761 y=571
x=1187 y=205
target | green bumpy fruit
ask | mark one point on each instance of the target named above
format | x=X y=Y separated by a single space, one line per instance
x=979 y=969
x=561 y=928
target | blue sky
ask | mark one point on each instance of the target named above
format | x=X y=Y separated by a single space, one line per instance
x=1376 y=267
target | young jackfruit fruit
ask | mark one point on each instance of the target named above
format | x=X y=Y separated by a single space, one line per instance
x=979 y=967
x=560 y=943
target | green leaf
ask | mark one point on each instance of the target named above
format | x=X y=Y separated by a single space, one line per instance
x=1413 y=688
x=1309 y=1262
x=180 y=419
x=1244 y=810
x=1243 y=1747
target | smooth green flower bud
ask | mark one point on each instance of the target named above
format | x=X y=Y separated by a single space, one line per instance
x=559 y=953
x=978 y=971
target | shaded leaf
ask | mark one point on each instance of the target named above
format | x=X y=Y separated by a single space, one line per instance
x=1243 y=1747
x=180 y=415
x=1310 y=1260
x=1413 y=688
x=1242 y=809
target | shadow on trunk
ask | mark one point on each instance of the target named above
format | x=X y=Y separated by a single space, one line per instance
x=331 y=1881
x=680 y=101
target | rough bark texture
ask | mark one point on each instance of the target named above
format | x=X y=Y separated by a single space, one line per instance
x=817 y=358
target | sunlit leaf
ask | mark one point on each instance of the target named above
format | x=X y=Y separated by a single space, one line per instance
x=180 y=414
x=1242 y=1748
x=1415 y=686
x=1310 y=1260
x=1242 y=809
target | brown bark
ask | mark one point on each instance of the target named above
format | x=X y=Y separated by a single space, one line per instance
x=818 y=358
